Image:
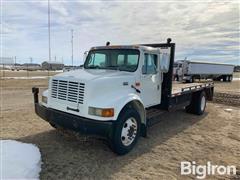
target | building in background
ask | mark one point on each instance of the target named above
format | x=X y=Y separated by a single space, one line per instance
x=52 y=65
x=6 y=62
x=31 y=66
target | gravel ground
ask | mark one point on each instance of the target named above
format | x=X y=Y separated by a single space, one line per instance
x=178 y=137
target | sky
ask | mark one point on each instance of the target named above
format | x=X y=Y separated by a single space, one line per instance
x=205 y=30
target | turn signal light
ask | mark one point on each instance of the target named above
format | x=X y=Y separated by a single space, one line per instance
x=106 y=112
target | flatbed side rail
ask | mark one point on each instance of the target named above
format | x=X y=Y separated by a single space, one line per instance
x=188 y=89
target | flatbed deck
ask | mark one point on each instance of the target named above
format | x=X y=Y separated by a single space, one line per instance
x=179 y=88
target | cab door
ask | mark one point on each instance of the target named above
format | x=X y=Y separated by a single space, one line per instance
x=150 y=80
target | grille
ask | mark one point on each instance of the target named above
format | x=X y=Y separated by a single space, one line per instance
x=68 y=91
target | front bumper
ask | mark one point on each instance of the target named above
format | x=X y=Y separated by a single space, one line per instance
x=70 y=121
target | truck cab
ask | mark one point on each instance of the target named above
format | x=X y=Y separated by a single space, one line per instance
x=111 y=94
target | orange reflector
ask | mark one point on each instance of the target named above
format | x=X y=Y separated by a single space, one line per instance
x=108 y=112
x=137 y=84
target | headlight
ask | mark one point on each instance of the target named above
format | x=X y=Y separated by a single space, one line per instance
x=44 y=99
x=106 y=112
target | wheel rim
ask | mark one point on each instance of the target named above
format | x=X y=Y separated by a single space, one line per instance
x=203 y=102
x=129 y=131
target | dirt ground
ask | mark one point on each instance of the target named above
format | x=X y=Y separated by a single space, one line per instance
x=178 y=137
x=23 y=73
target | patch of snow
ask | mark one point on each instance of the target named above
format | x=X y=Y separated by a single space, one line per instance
x=19 y=160
x=236 y=79
x=228 y=110
x=25 y=77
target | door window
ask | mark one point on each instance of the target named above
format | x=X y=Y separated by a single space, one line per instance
x=150 y=64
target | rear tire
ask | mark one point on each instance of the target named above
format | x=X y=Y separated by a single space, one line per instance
x=198 y=104
x=126 y=131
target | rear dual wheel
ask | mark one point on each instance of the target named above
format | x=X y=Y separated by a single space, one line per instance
x=198 y=104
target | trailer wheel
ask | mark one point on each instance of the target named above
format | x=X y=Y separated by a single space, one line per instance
x=198 y=104
x=224 y=78
x=126 y=131
x=227 y=78
x=191 y=80
x=230 y=78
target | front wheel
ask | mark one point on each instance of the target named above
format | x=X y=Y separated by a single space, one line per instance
x=126 y=131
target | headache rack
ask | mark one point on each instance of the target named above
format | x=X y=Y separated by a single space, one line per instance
x=170 y=100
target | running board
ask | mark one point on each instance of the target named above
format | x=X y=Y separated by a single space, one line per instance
x=153 y=115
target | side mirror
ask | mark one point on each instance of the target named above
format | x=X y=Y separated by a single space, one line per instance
x=85 y=56
x=164 y=62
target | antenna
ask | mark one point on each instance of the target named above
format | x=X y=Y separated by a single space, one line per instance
x=49 y=33
x=72 y=46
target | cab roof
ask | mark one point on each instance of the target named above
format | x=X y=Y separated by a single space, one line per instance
x=138 y=47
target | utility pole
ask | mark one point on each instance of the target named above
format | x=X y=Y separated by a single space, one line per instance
x=49 y=32
x=15 y=61
x=49 y=35
x=72 y=46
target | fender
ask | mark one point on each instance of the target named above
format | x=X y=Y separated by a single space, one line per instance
x=129 y=99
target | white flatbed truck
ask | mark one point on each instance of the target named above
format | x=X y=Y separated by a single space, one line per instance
x=120 y=91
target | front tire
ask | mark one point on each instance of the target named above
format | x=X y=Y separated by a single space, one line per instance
x=126 y=131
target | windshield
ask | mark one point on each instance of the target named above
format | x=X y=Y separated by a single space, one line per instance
x=115 y=59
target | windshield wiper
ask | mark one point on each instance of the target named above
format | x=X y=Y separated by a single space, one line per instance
x=119 y=68
x=93 y=67
x=112 y=67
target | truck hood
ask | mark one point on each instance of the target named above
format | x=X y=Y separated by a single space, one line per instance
x=92 y=74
